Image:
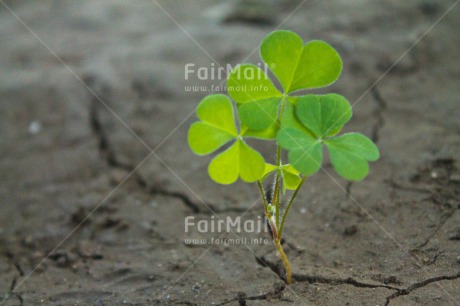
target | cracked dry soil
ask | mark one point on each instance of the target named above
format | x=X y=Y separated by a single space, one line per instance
x=70 y=168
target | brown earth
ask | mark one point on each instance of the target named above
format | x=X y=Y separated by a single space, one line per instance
x=90 y=89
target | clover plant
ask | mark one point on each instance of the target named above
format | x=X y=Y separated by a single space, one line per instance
x=302 y=124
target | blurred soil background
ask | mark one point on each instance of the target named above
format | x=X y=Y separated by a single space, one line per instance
x=96 y=178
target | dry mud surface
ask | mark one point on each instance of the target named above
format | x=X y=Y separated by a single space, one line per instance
x=74 y=75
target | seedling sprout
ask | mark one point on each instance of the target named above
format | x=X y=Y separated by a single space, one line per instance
x=301 y=124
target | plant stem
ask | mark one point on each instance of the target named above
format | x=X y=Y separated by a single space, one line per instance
x=276 y=193
x=283 y=104
x=276 y=199
x=277 y=202
x=285 y=260
x=262 y=194
x=289 y=206
x=267 y=215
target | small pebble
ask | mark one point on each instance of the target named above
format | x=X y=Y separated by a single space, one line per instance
x=196 y=288
x=350 y=230
x=35 y=127
x=62 y=261
x=88 y=249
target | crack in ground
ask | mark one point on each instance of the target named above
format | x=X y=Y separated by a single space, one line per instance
x=338 y=281
x=319 y=279
x=418 y=285
x=378 y=113
x=187 y=303
x=170 y=302
x=262 y=261
x=152 y=190
x=441 y=223
x=109 y=157
x=348 y=188
x=242 y=296
x=105 y=150
x=195 y=207
x=395 y=185
x=9 y=255
x=11 y=293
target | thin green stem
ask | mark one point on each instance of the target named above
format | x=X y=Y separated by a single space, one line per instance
x=276 y=198
x=283 y=104
x=276 y=193
x=285 y=260
x=278 y=155
x=262 y=194
x=267 y=214
x=276 y=202
x=289 y=206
